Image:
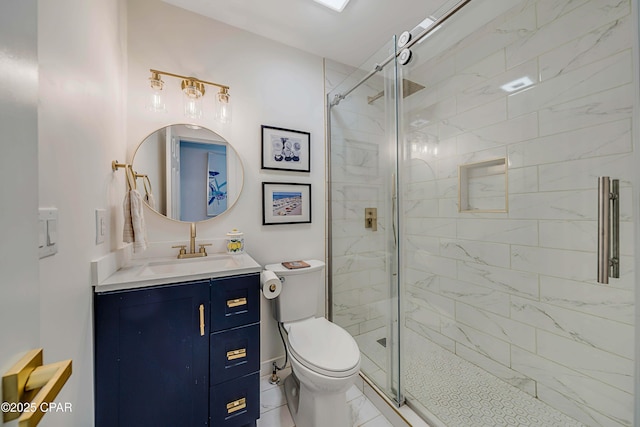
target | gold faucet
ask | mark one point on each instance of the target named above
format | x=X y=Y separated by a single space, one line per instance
x=192 y=246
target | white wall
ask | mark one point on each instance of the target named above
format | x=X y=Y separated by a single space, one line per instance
x=271 y=84
x=19 y=286
x=81 y=129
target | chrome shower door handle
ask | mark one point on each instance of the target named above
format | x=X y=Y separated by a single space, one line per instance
x=608 y=229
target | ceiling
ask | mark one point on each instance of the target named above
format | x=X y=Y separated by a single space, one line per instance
x=350 y=37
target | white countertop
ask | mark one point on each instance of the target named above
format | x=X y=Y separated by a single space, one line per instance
x=165 y=270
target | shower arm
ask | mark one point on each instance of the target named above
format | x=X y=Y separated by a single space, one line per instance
x=379 y=67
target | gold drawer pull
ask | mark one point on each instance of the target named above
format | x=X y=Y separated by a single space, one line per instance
x=236 y=302
x=236 y=354
x=201 y=320
x=236 y=405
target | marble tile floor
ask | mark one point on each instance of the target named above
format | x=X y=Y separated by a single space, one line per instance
x=275 y=413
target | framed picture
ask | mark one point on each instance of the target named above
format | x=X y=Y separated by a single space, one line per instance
x=285 y=149
x=285 y=203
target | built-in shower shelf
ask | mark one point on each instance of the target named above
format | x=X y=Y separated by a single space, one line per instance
x=482 y=186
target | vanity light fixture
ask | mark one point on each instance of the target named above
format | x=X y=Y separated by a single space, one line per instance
x=336 y=5
x=156 y=101
x=193 y=90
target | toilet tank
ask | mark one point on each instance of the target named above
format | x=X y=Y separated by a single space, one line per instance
x=300 y=291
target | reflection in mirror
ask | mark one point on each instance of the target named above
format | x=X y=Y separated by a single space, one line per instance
x=192 y=173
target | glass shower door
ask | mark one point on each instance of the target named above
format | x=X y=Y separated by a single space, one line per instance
x=523 y=106
x=363 y=255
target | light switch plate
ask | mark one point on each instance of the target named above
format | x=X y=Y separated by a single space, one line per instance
x=48 y=226
x=101 y=225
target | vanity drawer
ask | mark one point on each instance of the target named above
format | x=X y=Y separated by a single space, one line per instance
x=235 y=403
x=234 y=353
x=235 y=301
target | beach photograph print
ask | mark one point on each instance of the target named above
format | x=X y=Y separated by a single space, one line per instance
x=285 y=203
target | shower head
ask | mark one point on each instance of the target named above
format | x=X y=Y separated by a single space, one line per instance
x=408 y=88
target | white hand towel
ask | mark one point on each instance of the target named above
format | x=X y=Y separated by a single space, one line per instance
x=151 y=201
x=134 y=226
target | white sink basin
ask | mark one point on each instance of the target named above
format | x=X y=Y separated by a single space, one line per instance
x=159 y=271
x=186 y=267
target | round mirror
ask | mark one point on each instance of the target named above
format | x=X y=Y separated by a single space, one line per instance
x=187 y=173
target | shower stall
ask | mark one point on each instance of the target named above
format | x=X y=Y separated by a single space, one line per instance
x=466 y=220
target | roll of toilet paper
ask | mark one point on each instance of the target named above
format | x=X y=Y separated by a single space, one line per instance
x=270 y=284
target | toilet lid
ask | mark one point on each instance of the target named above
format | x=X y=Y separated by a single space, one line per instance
x=321 y=344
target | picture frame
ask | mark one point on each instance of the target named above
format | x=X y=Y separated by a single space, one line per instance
x=286 y=203
x=285 y=149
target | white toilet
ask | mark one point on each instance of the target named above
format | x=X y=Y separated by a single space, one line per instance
x=325 y=358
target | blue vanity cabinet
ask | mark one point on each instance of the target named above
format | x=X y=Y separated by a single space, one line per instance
x=152 y=356
x=184 y=354
x=235 y=351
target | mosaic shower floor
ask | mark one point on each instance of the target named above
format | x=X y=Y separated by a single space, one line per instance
x=459 y=393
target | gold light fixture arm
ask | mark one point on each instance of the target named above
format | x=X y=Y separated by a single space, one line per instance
x=31 y=386
x=164 y=73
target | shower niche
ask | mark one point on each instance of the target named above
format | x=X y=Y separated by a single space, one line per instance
x=482 y=186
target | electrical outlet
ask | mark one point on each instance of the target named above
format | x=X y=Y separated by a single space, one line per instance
x=101 y=225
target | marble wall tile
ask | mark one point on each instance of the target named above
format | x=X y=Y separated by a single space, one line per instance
x=571 y=265
x=607 y=106
x=577 y=409
x=598 y=300
x=480 y=342
x=596 y=77
x=433 y=336
x=484 y=253
x=604 y=334
x=419 y=279
x=565 y=28
x=436 y=227
x=475 y=118
x=478 y=296
x=523 y=180
x=521 y=283
x=491 y=89
x=609 y=368
x=571 y=235
x=521 y=128
x=519 y=232
x=569 y=205
x=592 y=141
x=590 y=394
x=550 y=11
x=496 y=35
x=420 y=314
x=612 y=37
x=432 y=301
x=581 y=174
x=503 y=328
x=431 y=263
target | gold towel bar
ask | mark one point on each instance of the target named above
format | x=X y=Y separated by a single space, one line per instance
x=128 y=170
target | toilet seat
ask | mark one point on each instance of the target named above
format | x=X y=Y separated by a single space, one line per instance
x=323 y=347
